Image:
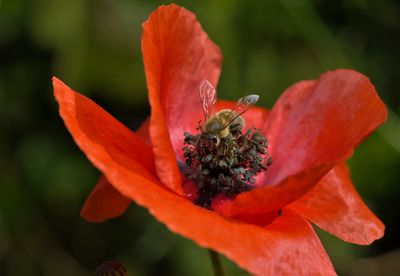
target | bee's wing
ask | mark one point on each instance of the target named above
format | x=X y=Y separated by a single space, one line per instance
x=242 y=105
x=208 y=97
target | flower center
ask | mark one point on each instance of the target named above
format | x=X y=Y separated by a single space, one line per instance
x=224 y=165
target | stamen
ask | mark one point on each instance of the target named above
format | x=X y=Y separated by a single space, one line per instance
x=228 y=167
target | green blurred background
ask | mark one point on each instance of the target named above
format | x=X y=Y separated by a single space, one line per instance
x=94 y=46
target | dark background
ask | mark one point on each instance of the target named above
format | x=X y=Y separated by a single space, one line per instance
x=94 y=46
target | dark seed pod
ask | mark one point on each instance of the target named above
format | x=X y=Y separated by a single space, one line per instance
x=110 y=268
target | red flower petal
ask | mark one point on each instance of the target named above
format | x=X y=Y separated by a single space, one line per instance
x=335 y=206
x=177 y=55
x=104 y=202
x=105 y=141
x=313 y=125
x=143 y=131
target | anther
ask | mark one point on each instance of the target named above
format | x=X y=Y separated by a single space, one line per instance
x=226 y=165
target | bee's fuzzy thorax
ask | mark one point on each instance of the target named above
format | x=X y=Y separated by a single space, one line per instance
x=228 y=167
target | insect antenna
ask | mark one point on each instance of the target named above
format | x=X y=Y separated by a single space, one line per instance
x=242 y=106
x=234 y=118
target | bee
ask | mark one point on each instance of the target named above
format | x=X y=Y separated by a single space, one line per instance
x=224 y=122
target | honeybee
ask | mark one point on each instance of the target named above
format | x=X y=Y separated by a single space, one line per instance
x=220 y=124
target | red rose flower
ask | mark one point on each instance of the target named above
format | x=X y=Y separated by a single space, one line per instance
x=312 y=130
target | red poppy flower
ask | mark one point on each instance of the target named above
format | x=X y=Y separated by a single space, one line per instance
x=312 y=130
